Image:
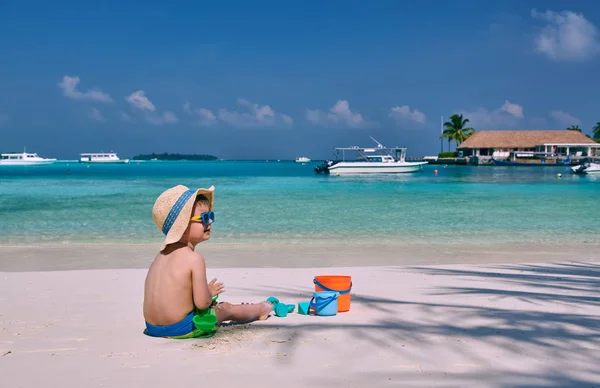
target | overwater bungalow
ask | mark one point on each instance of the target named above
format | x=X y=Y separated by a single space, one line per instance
x=528 y=146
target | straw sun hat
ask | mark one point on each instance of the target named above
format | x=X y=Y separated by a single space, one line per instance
x=173 y=209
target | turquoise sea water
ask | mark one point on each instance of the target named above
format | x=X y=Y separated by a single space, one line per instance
x=285 y=202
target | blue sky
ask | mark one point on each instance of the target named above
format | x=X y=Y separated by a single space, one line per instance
x=276 y=79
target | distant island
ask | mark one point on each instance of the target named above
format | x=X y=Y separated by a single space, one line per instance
x=166 y=156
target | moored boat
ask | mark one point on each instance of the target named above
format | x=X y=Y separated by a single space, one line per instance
x=377 y=160
x=24 y=159
x=101 y=157
x=586 y=168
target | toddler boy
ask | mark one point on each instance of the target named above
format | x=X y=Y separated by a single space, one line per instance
x=176 y=287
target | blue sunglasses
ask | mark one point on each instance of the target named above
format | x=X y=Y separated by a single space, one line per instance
x=204 y=217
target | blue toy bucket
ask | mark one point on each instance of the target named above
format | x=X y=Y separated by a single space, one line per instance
x=325 y=302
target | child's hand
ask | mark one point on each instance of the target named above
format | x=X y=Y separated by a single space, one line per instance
x=215 y=288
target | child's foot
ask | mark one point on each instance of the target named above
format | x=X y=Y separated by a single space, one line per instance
x=265 y=310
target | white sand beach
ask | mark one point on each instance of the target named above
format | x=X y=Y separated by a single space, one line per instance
x=493 y=325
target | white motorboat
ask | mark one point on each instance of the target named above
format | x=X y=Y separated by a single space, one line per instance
x=378 y=160
x=101 y=157
x=24 y=159
x=586 y=168
x=302 y=159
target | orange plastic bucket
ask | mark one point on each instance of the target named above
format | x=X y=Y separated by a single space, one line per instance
x=341 y=284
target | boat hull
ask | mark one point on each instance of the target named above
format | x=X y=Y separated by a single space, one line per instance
x=120 y=161
x=29 y=163
x=375 y=168
x=593 y=168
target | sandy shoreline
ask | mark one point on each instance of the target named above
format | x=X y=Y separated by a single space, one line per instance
x=524 y=325
x=58 y=257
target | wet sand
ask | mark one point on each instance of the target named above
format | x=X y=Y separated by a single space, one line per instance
x=58 y=257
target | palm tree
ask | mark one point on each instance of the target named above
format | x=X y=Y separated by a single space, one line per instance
x=455 y=130
x=574 y=128
x=597 y=132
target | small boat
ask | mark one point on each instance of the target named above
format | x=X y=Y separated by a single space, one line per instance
x=586 y=168
x=101 y=157
x=302 y=159
x=378 y=160
x=24 y=159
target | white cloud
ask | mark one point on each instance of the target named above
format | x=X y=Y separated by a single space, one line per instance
x=564 y=117
x=403 y=113
x=166 y=118
x=258 y=116
x=138 y=100
x=207 y=117
x=96 y=115
x=567 y=36
x=507 y=116
x=69 y=87
x=513 y=109
x=339 y=114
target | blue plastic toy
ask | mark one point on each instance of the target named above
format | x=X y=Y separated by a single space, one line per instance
x=325 y=302
x=280 y=309
x=303 y=308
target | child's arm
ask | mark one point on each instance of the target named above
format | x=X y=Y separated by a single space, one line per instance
x=200 y=292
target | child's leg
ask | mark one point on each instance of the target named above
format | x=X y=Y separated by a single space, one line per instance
x=242 y=312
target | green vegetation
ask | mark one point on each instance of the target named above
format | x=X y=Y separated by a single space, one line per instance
x=456 y=130
x=596 y=130
x=574 y=128
x=443 y=155
x=166 y=156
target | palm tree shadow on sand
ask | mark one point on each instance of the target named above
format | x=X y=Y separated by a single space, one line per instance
x=569 y=341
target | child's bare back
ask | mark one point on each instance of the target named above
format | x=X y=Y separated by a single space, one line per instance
x=168 y=294
x=176 y=285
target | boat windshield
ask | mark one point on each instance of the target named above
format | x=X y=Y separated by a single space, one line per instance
x=379 y=158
